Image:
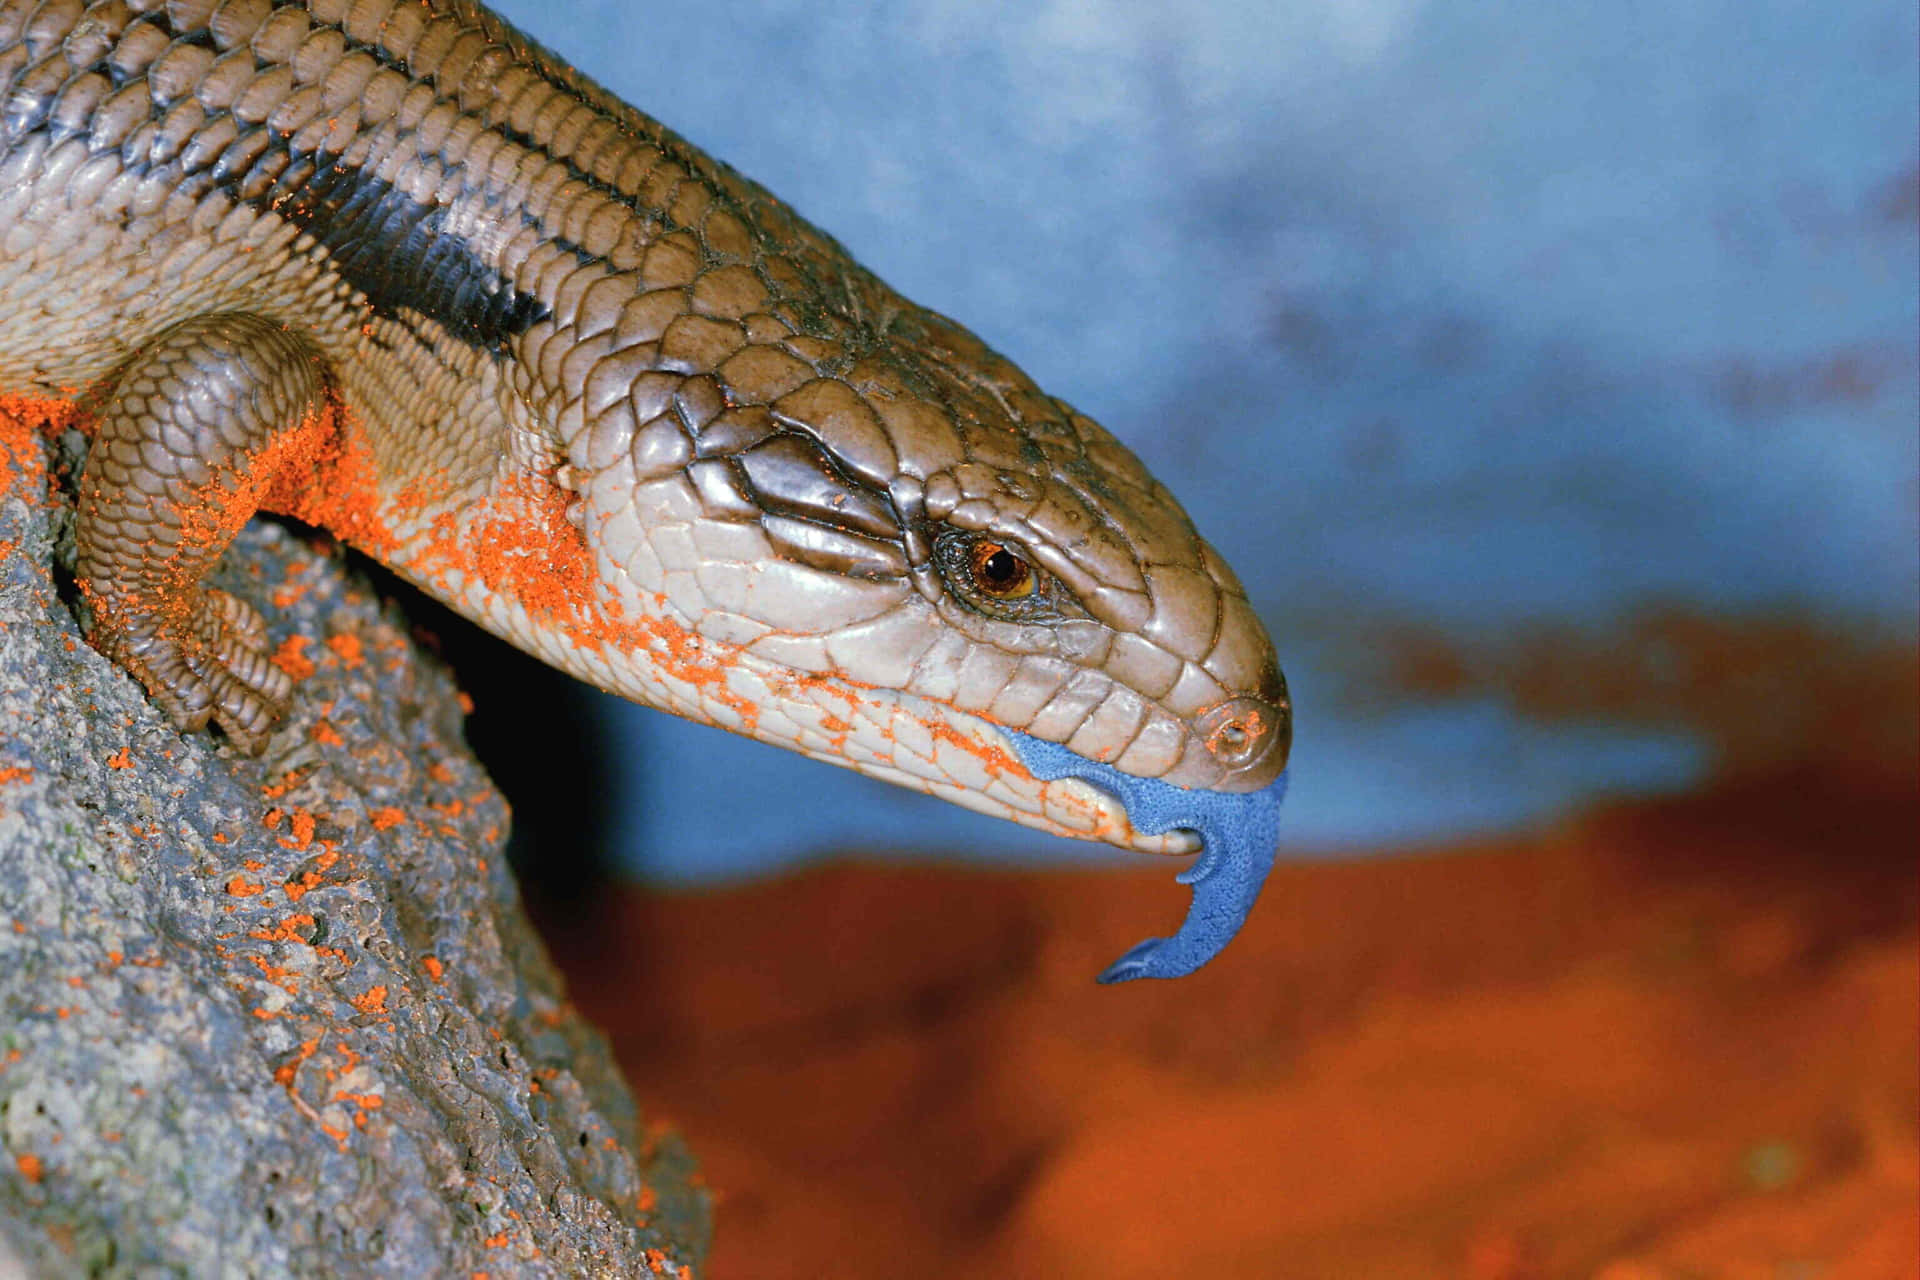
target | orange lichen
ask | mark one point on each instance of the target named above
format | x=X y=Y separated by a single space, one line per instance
x=373 y=1000
x=121 y=759
x=347 y=648
x=241 y=887
x=301 y=828
x=278 y=976
x=284 y=1074
x=288 y=930
x=434 y=968
x=21 y=416
x=300 y=887
x=30 y=1166
x=288 y=781
x=386 y=818
x=326 y=735
x=291 y=657
x=15 y=773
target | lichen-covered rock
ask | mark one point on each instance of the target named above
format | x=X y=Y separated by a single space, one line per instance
x=284 y=1015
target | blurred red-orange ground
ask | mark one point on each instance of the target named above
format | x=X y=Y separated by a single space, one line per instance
x=1672 y=1039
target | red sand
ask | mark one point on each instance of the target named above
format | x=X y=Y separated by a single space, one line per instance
x=1676 y=1039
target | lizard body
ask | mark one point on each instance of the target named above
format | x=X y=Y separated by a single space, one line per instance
x=390 y=267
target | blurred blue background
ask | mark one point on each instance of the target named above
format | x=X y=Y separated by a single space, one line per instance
x=1451 y=323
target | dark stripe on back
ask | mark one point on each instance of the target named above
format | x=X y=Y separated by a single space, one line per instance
x=388 y=246
x=395 y=250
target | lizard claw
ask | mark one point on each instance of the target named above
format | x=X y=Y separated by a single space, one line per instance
x=213 y=665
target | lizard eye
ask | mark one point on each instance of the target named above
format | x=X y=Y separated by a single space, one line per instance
x=1000 y=573
x=999 y=579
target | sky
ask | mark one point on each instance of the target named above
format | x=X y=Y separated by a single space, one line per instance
x=1470 y=317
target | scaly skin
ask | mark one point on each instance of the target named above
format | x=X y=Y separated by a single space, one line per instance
x=389 y=266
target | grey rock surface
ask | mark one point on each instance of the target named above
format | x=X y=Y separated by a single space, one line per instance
x=284 y=1015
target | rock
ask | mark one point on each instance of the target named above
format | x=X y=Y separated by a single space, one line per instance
x=284 y=1015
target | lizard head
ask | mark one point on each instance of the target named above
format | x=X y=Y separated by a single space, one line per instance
x=923 y=568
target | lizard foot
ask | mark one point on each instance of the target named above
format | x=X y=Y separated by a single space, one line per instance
x=212 y=665
x=180 y=455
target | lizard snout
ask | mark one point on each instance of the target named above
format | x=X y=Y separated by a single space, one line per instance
x=1250 y=737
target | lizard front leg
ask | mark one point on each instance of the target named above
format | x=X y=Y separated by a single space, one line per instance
x=200 y=423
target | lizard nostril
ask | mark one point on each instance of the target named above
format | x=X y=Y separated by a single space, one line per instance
x=1231 y=739
x=1249 y=737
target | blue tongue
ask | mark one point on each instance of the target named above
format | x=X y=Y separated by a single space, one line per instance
x=1238 y=836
